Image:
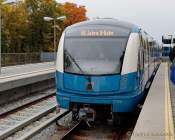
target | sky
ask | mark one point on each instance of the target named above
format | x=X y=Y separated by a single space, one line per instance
x=157 y=17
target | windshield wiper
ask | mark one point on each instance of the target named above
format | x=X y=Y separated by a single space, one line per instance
x=78 y=66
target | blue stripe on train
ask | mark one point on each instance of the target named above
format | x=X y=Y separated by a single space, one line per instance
x=122 y=103
x=122 y=92
x=104 y=84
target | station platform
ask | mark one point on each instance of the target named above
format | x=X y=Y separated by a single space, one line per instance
x=155 y=121
x=21 y=75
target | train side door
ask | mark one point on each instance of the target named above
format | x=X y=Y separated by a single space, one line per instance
x=145 y=58
x=148 y=57
x=141 y=63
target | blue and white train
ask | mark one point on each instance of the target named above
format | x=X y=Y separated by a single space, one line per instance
x=103 y=67
x=168 y=42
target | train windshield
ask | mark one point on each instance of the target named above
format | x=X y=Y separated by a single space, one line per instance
x=94 y=56
x=167 y=41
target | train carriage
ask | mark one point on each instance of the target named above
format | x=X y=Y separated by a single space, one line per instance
x=104 y=66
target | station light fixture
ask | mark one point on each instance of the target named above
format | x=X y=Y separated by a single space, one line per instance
x=48 y=19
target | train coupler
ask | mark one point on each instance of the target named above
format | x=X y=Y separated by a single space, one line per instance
x=87 y=113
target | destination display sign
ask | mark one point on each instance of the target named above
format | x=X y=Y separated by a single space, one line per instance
x=97 y=33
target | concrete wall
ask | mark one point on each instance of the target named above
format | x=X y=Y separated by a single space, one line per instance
x=19 y=92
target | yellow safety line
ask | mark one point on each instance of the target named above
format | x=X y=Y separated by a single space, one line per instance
x=170 y=109
x=169 y=125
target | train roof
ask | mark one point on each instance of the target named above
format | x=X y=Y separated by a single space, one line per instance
x=107 y=22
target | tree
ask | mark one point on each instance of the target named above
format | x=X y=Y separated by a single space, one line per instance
x=24 y=29
x=14 y=27
x=73 y=13
x=41 y=38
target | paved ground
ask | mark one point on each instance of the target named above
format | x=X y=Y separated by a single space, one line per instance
x=22 y=75
x=23 y=69
x=156 y=120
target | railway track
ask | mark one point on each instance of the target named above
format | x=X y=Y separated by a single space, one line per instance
x=77 y=126
x=102 y=130
x=98 y=132
x=26 y=121
x=24 y=101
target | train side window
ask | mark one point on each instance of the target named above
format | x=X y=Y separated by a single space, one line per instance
x=144 y=50
x=141 y=60
x=141 y=52
x=141 y=40
x=147 y=50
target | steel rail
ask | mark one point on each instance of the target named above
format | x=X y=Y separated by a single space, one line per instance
x=41 y=127
x=19 y=126
x=75 y=128
x=27 y=119
x=26 y=104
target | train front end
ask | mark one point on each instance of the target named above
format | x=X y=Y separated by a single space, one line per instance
x=97 y=69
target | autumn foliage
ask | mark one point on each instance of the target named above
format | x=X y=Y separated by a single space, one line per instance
x=23 y=27
x=73 y=13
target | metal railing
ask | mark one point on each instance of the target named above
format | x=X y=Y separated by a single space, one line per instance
x=9 y=59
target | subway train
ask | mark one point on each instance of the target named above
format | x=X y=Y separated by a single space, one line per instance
x=168 y=42
x=103 y=67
